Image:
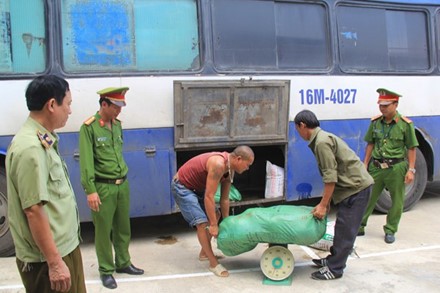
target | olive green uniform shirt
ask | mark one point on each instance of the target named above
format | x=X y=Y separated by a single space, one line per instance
x=391 y=140
x=37 y=174
x=338 y=164
x=100 y=151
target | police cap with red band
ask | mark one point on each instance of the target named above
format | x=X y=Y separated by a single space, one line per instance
x=387 y=97
x=116 y=95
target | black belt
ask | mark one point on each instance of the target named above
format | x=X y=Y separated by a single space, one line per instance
x=389 y=162
x=118 y=181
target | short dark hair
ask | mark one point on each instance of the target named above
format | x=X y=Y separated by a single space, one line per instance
x=43 y=88
x=308 y=118
x=104 y=99
x=243 y=151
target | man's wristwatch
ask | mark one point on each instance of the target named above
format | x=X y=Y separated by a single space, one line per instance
x=413 y=170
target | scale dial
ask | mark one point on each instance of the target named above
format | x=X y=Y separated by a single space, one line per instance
x=277 y=263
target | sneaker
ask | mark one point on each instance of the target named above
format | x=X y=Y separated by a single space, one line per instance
x=322 y=262
x=324 y=273
x=389 y=238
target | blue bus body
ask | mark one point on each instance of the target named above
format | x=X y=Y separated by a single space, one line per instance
x=201 y=47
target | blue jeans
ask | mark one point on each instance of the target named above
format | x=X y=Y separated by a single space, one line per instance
x=191 y=204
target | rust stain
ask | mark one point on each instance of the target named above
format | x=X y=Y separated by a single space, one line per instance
x=166 y=240
x=214 y=115
x=255 y=121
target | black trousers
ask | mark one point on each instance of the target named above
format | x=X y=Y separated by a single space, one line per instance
x=348 y=221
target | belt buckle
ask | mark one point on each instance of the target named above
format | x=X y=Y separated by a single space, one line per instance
x=119 y=181
x=384 y=165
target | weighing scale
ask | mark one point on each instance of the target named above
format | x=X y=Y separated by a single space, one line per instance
x=277 y=264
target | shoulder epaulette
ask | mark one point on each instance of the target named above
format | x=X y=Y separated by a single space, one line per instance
x=376 y=117
x=90 y=120
x=45 y=140
x=406 y=119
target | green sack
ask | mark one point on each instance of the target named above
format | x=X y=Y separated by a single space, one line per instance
x=234 y=194
x=277 y=224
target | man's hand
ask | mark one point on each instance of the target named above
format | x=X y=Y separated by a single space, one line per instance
x=59 y=276
x=319 y=211
x=94 y=201
x=213 y=230
x=409 y=177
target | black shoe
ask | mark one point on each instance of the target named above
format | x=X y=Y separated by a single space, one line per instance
x=108 y=281
x=389 y=238
x=131 y=270
x=322 y=262
x=324 y=273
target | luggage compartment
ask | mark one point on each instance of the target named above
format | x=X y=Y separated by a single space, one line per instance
x=218 y=115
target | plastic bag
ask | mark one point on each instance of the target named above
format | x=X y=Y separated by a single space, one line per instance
x=327 y=240
x=234 y=194
x=277 y=224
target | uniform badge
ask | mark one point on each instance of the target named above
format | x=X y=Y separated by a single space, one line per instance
x=45 y=139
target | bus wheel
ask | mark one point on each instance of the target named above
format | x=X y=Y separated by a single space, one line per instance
x=6 y=243
x=413 y=191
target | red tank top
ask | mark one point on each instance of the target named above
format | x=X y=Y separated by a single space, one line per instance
x=193 y=173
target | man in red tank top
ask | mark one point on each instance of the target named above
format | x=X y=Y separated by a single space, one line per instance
x=194 y=187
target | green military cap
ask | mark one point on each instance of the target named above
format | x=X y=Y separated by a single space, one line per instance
x=387 y=97
x=116 y=95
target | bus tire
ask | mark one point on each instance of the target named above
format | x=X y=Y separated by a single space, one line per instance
x=6 y=242
x=413 y=191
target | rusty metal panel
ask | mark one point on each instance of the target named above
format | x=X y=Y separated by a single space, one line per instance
x=225 y=113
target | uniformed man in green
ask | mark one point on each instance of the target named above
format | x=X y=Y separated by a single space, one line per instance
x=390 y=157
x=42 y=210
x=104 y=178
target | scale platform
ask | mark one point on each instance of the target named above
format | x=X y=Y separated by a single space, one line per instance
x=277 y=264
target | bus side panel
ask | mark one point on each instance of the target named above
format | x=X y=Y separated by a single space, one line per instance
x=4 y=143
x=428 y=125
x=150 y=158
x=303 y=177
x=69 y=151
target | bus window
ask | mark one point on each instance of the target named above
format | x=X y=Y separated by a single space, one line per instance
x=22 y=37
x=302 y=36
x=437 y=34
x=135 y=35
x=382 y=40
x=273 y=36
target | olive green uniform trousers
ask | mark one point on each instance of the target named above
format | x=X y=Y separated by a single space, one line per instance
x=112 y=226
x=35 y=276
x=393 y=179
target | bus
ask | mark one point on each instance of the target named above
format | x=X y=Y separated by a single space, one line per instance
x=213 y=74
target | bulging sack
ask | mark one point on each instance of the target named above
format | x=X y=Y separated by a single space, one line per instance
x=277 y=224
x=234 y=194
x=327 y=240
